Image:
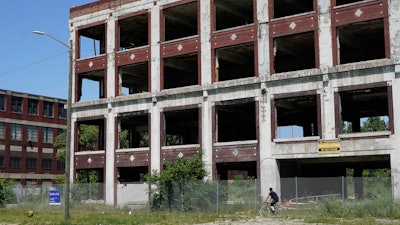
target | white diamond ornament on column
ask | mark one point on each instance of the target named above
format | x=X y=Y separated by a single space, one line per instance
x=89 y=160
x=132 y=158
x=180 y=155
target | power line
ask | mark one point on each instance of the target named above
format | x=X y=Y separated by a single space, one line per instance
x=31 y=64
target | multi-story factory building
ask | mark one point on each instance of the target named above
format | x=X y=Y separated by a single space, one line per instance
x=264 y=88
x=28 y=125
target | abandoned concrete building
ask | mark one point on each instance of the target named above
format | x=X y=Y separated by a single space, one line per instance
x=264 y=88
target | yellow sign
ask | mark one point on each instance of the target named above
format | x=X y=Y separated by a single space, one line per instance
x=328 y=147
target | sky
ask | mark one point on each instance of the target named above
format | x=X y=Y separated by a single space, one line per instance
x=32 y=63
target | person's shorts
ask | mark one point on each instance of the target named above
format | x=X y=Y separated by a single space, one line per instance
x=273 y=202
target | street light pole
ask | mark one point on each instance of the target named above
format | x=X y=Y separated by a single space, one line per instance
x=69 y=114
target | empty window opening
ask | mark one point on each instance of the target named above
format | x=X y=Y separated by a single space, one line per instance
x=180 y=71
x=134 y=131
x=180 y=21
x=92 y=41
x=133 y=32
x=284 y=8
x=91 y=85
x=91 y=135
x=131 y=174
x=234 y=62
x=354 y=38
x=236 y=121
x=345 y=2
x=364 y=110
x=233 y=13
x=297 y=116
x=237 y=170
x=134 y=78
x=294 y=52
x=181 y=127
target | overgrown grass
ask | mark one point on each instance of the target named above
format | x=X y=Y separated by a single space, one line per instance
x=104 y=216
x=366 y=212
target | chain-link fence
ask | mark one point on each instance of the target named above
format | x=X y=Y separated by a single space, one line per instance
x=211 y=196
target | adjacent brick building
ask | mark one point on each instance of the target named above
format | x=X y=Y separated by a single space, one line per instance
x=264 y=88
x=28 y=125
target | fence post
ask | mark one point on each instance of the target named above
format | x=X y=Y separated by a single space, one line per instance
x=296 y=191
x=255 y=194
x=217 y=196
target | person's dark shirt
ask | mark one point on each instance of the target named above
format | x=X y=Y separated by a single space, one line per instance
x=274 y=196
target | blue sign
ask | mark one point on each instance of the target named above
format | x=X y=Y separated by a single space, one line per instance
x=54 y=197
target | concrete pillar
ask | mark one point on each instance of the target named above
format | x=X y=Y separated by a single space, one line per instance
x=394 y=32
x=206 y=72
x=155 y=147
x=110 y=118
x=325 y=50
x=269 y=174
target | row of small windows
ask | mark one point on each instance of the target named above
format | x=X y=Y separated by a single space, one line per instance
x=31 y=163
x=31 y=133
x=33 y=107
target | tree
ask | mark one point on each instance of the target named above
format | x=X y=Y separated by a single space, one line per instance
x=174 y=176
x=5 y=192
x=374 y=124
x=87 y=138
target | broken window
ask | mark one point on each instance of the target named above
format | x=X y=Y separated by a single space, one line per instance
x=233 y=13
x=236 y=121
x=92 y=41
x=180 y=71
x=181 y=127
x=297 y=116
x=133 y=32
x=180 y=21
x=361 y=41
x=284 y=8
x=90 y=84
x=364 y=110
x=294 y=52
x=134 y=78
x=234 y=62
x=131 y=174
x=134 y=131
x=91 y=135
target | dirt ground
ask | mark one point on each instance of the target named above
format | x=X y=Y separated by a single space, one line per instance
x=280 y=221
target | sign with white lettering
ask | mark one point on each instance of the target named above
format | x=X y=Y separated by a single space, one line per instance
x=54 y=197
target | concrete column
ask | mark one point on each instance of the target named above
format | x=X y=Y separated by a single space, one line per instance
x=110 y=71
x=325 y=50
x=263 y=38
x=206 y=72
x=155 y=146
x=394 y=32
x=110 y=119
x=269 y=174
x=395 y=154
x=110 y=156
